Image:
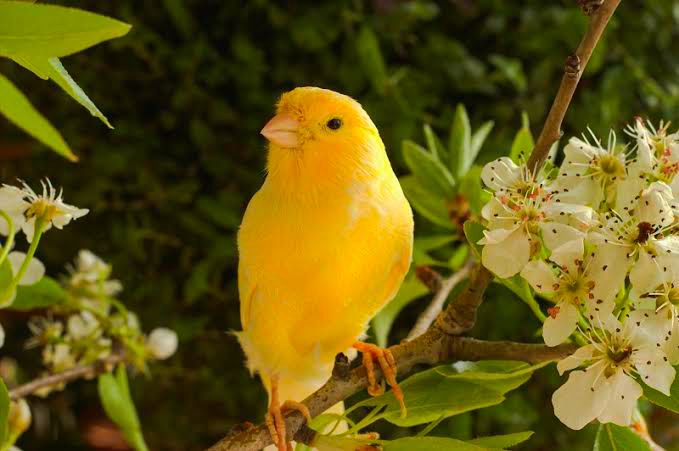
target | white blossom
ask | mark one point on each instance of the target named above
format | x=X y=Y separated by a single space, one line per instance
x=162 y=342
x=606 y=388
x=576 y=280
x=516 y=216
x=657 y=153
x=83 y=325
x=589 y=173
x=24 y=206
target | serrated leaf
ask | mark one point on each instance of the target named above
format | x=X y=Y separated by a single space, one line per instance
x=459 y=143
x=445 y=391
x=18 y=109
x=46 y=31
x=668 y=402
x=4 y=411
x=429 y=444
x=611 y=437
x=434 y=143
x=411 y=289
x=371 y=58
x=431 y=207
x=502 y=441
x=523 y=143
x=428 y=170
x=44 y=293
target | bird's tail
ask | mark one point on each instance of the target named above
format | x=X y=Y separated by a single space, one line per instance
x=297 y=391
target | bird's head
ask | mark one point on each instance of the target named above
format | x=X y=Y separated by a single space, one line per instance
x=318 y=135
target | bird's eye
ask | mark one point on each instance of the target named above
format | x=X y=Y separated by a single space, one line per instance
x=334 y=123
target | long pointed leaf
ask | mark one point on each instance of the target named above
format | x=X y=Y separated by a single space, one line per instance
x=49 y=30
x=18 y=109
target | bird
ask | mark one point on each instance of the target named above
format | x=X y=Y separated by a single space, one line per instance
x=324 y=244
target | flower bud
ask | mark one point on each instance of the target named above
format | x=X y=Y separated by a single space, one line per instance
x=162 y=342
x=19 y=417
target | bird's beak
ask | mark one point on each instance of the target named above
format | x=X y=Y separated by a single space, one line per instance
x=282 y=130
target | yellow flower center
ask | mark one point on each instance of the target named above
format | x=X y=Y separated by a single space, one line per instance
x=43 y=209
x=609 y=166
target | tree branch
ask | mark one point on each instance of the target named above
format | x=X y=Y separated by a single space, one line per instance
x=575 y=65
x=428 y=316
x=440 y=343
x=78 y=372
x=432 y=348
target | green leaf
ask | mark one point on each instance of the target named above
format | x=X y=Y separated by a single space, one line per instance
x=429 y=444
x=411 y=289
x=17 y=108
x=429 y=206
x=470 y=187
x=431 y=242
x=459 y=143
x=668 y=402
x=523 y=143
x=611 y=437
x=434 y=143
x=53 y=69
x=478 y=138
x=474 y=232
x=502 y=441
x=424 y=244
x=450 y=390
x=4 y=411
x=115 y=396
x=428 y=170
x=6 y=274
x=49 y=30
x=459 y=257
x=371 y=58
x=44 y=293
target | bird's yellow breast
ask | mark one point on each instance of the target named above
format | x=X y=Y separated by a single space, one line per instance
x=312 y=273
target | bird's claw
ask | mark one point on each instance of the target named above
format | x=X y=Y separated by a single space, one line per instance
x=275 y=422
x=387 y=364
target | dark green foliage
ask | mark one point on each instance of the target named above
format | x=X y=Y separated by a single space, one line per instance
x=188 y=90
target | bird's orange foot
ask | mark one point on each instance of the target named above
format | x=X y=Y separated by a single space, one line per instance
x=275 y=420
x=387 y=364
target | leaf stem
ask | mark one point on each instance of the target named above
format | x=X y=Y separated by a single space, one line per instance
x=39 y=227
x=10 y=236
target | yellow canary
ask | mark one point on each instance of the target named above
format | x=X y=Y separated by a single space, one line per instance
x=324 y=245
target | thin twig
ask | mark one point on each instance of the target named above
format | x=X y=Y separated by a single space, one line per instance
x=428 y=316
x=440 y=343
x=78 y=372
x=575 y=66
x=431 y=348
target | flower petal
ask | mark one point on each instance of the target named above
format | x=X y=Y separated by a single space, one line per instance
x=558 y=328
x=34 y=272
x=501 y=174
x=578 y=358
x=567 y=255
x=654 y=368
x=625 y=392
x=579 y=400
x=556 y=235
x=540 y=276
x=509 y=256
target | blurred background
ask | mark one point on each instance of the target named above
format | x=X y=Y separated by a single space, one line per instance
x=188 y=90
